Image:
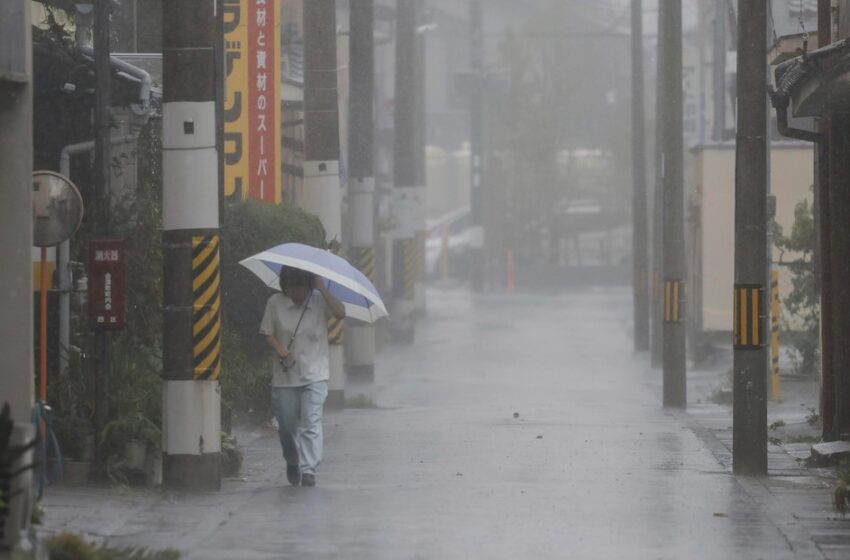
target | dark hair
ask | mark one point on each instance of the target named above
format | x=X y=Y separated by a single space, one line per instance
x=290 y=276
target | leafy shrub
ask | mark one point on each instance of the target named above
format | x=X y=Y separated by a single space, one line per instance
x=841 y=492
x=249 y=227
x=803 y=301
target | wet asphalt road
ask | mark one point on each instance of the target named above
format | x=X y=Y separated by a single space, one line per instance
x=592 y=467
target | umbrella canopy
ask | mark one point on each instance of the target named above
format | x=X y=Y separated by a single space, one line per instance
x=348 y=284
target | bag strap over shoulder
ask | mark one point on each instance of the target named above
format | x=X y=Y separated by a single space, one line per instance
x=303 y=311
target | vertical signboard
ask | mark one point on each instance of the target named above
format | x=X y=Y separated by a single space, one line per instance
x=252 y=100
x=106 y=284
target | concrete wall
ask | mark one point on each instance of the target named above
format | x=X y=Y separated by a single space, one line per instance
x=16 y=231
x=714 y=197
x=16 y=320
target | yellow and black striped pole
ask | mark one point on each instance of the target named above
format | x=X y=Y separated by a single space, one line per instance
x=673 y=231
x=406 y=193
x=322 y=193
x=775 y=311
x=360 y=339
x=674 y=300
x=206 y=308
x=748 y=313
x=192 y=299
x=750 y=357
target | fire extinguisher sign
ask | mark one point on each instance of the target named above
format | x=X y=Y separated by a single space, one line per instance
x=106 y=284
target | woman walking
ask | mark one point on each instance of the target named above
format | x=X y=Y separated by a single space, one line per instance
x=295 y=325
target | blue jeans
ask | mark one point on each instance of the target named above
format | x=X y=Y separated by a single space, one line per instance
x=299 y=418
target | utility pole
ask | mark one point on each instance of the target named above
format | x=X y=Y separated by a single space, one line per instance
x=640 y=241
x=360 y=340
x=749 y=448
x=476 y=137
x=824 y=269
x=839 y=221
x=190 y=199
x=16 y=230
x=102 y=201
x=407 y=194
x=322 y=194
x=656 y=315
x=719 y=70
x=421 y=132
x=675 y=390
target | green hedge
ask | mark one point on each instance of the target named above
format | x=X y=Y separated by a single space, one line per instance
x=248 y=228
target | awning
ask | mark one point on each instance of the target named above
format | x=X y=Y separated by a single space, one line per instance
x=815 y=83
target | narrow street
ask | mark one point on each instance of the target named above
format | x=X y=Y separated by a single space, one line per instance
x=592 y=466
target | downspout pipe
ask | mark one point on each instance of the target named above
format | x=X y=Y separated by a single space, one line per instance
x=63 y=256
x=780 y=103
x=788 y=75
x=142 y=108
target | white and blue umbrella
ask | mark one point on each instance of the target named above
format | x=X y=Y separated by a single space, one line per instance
x=348 y=284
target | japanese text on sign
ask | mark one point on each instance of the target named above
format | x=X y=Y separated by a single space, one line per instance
x=252 y=99
x=106 y=284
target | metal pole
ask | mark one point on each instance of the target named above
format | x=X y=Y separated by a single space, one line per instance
x=192 y=298
x=749 y=412
x=102 y=200
x=656 y=331
x=360 y=339
x=640 y=241
x=673 y=230
x=476 y=118
x=322 y=195
x=406 y=195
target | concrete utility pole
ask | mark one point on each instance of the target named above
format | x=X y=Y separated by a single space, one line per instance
x=192 y=319
x=360 y=343
x=719 y=70
x=673 y=224
x=824 y=248
x=640 y=241
x=16 y=230
x=839 y=221
x=656 y=314
x=102 y=200
x=407 y=197
x=749 y=448
x=322 y=194
x=476 y=140
x=420 y=126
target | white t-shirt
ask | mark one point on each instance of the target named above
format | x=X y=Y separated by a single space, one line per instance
x=310 y=348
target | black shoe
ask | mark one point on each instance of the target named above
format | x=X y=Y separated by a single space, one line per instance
x=293 y=475
x=308 y=479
